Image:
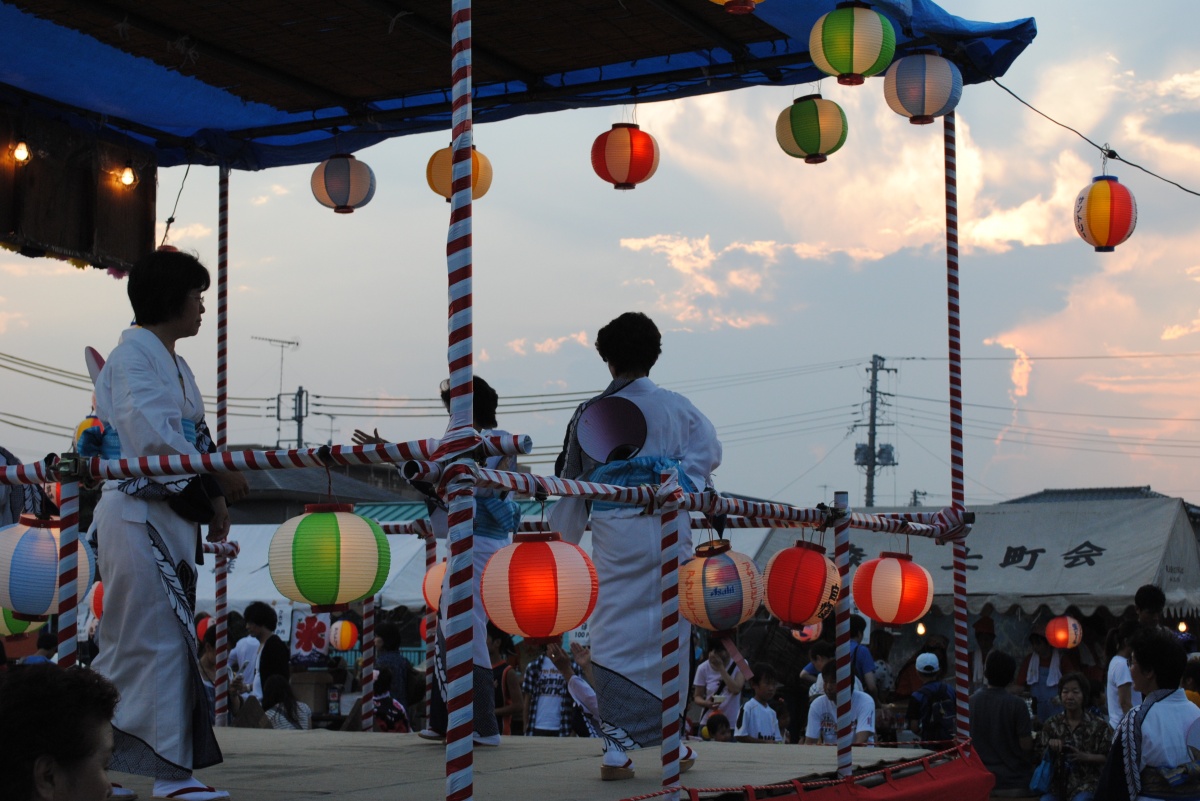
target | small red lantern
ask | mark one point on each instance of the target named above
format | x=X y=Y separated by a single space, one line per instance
x=539 y=586
x=807 y=633
x=202 y=627
x=893 y=589
x=802 y=584
x=431 y=587
x=1105 y=213
x=720 y=589
x=97 y=597
x=343 y=636
x=625 y=156
x=1064 y=631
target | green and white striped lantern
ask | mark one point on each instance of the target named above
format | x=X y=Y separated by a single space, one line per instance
x=811 y=128
x=852 y=42
x=10 y=626
x=329 y=557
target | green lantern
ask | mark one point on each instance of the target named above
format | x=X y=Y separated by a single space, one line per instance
x=10 y=626
x=329 y=557
x=852 y=42
x=811 y=128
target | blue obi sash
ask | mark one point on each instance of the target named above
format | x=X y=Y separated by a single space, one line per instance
x=633 y=473
x=107 y=445
x=496 y=518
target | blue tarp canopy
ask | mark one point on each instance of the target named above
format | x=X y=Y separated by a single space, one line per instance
x=264 y=83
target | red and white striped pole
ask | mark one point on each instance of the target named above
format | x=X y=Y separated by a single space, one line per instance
x=669 y=589
x=222 y=562
x=368 y=664
x=68 y=573
x=845 y=670
x=957 y=472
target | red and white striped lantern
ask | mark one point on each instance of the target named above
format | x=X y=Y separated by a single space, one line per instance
x=802 y=584
x=431 y=587
x=893 y=589
x=625 y=156
x=720 y=589
x=1064 y=631
x=539 y=587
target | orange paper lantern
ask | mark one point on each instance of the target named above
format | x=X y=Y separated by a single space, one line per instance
x=802 y=584
x=719 y=589
x=893 y=589
x=439 y=173
x=625 y=156
x=539 y=587
x=431 y=587
x=1064 y=631
x=343 y=636
x=1105 y=213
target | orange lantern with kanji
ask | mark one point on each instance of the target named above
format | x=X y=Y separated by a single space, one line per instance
x=625 y=156
x=539 y=587
x=893 y=589
x=1064 y=631
x=343 y=636
x=802 y=584
x=1105 y=213
x=431 y=587
x=720 y=589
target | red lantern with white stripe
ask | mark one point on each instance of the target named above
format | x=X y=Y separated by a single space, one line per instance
x=893 y=589
x=343 y=636
x=539 y=587
x=802 y=585
x=720 y=589
x=1064 y=631
x=625 y=156
x=431 y=587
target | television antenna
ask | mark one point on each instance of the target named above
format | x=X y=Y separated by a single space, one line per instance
x=283 y=345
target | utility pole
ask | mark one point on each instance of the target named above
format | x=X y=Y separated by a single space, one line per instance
x=917 y=495
x=282 y=344
x=299 y=412
x=868 y=455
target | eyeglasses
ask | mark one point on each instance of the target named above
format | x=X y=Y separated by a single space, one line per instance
x=196 y=296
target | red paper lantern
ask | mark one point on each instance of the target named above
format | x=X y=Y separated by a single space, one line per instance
x=719 y=589
x=202 y=627
x=343 y=636
x=893 y=589
x=625 y=156
x=97 y=597
x=807 y=633
x=1105 y=213
x=802 y=584
x=1064 y=631
x=539 y=586
x=431 y=587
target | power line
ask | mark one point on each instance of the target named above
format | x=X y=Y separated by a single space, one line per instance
x=1065 y=414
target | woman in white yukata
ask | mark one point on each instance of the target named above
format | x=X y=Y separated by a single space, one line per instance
x=147 y=534
x=639 y=431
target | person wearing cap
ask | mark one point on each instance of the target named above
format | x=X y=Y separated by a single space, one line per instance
x=931 y=713
x=985 y=638
x=1041 y=671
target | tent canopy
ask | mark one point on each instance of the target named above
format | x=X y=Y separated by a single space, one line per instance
x=256 y=84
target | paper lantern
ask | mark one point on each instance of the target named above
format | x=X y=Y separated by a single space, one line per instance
x=431 y=587
x=202 y=627
x=343 y=183
x=802 y=585
x=1105 y=213
x=811 y=128
x=1064 y=631
x=29 y=567
x=329 y=557
x=807 y=633
x=738 y=6
x=91 y=421
x=98 y=599
x=625 y=156
x=719 y=589
x=852 y=42
x=439 y=173
x=892 y=589
x=922 y=87
x=13 y=626
x=343 y=636
x=539 y=586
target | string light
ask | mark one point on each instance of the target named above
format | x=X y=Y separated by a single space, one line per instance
x=21 y=152
x=128 y=177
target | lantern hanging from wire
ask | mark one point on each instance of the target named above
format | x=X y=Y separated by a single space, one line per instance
x=1105 y=213
x=13 y=626
x=29 y=567
x=1064 y=631
x=329 y=557
x=852 y=42
x=343 y=636
x=892 y=589
x=738 y=6
x=343 y=183
x=431 y=587
x=802 y=584
x=720 y=589
x=439 y=173
x=539 y=587
x=807 y=633
x=922 y=87
x=811 y=128
x=625 y=156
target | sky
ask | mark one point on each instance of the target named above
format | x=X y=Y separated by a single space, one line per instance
x=773 y=281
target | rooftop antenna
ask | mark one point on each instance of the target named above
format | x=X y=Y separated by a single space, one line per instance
x=283 y=345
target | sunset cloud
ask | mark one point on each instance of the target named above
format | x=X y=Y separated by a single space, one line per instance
x=191 y=232
x=553 y=344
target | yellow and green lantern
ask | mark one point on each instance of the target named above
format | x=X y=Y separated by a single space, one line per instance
x=811 y=128
x=12 y=626
x=329 y=557
x=852 y=42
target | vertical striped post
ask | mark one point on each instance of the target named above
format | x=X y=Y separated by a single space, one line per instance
x=458 y=614
x=222 y=561
x=368 y=665
x=669 y=588
x=68 y=573
x=845 y=671
x=430 y=619
x=957 y=472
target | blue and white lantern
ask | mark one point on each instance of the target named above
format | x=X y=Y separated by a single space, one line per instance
x=343 y=183
x=29 y=568
x=922 y=87
x=720 y=589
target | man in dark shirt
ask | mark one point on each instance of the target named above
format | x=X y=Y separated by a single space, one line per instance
x=1000 y=729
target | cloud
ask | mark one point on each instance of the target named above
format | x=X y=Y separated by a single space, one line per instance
x=276 y=190
x=36 y=267
x=517 y=346
x=1039 y=220
x=553 y=344
x=182 y=233
x=12 y=318
x=483 y=355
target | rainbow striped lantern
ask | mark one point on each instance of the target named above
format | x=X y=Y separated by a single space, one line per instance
x=852 y=42
x=738 y=6
x=1064 y=631
x=29 y=568
x=807 y=633
x=802 y=585
x=431 y=587
x=1105 y=213
x=13 y=626
x=439 y=173
x=922 y=87
x=811 y=128
x=329 y=557
x=625 y=156
x=343 y=183
x=343 y=636
x=720 y=589
x=539 y=587
x=892 y=589
x=91 y=421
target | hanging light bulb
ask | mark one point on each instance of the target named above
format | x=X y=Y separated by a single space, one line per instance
x=920 y=629
x=128 y=177
x=21 y=152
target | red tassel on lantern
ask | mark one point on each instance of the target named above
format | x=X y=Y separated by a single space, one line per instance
x=539 y=587
x=625 y=156
x=1064 y=631
x=802 y=585
x=893 y=589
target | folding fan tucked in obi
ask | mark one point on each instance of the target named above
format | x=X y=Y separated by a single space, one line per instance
x=611 y=429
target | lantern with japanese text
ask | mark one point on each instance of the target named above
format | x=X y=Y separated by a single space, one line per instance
x=802 y=584
x=922 y=87
x=625 y=156
x=439 y=173
x=1105 y=213
x=1064 y=631
x=811 y=128
x=343 y=636
x=539 y=587
x=29 y=567
x=343 y=183
x=13 y=626
x=720 y=589
x=852 y=42
x=329 y=557
x=431 y=587
x=892 y=589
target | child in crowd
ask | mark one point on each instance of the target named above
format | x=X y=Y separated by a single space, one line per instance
x=717 y=729
x=931 y=713
x=758 y=722
x=390 y=714
x=820 y=653
x=822 y=713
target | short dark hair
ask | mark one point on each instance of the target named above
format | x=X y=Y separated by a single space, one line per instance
x=261 y=614
x=47 y=639
x=1150 y=598
x=1159 y=652
x=390 y=634
x=717 y=722
x=1117 y=637
x=631 y=342
x=484 y=401
x=858 y=625
x=1191 y=671
x=823 y=648
x=1085 y=686
x=999 y=669
x=48 y=711
x=159 y=283
x=762 y=672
